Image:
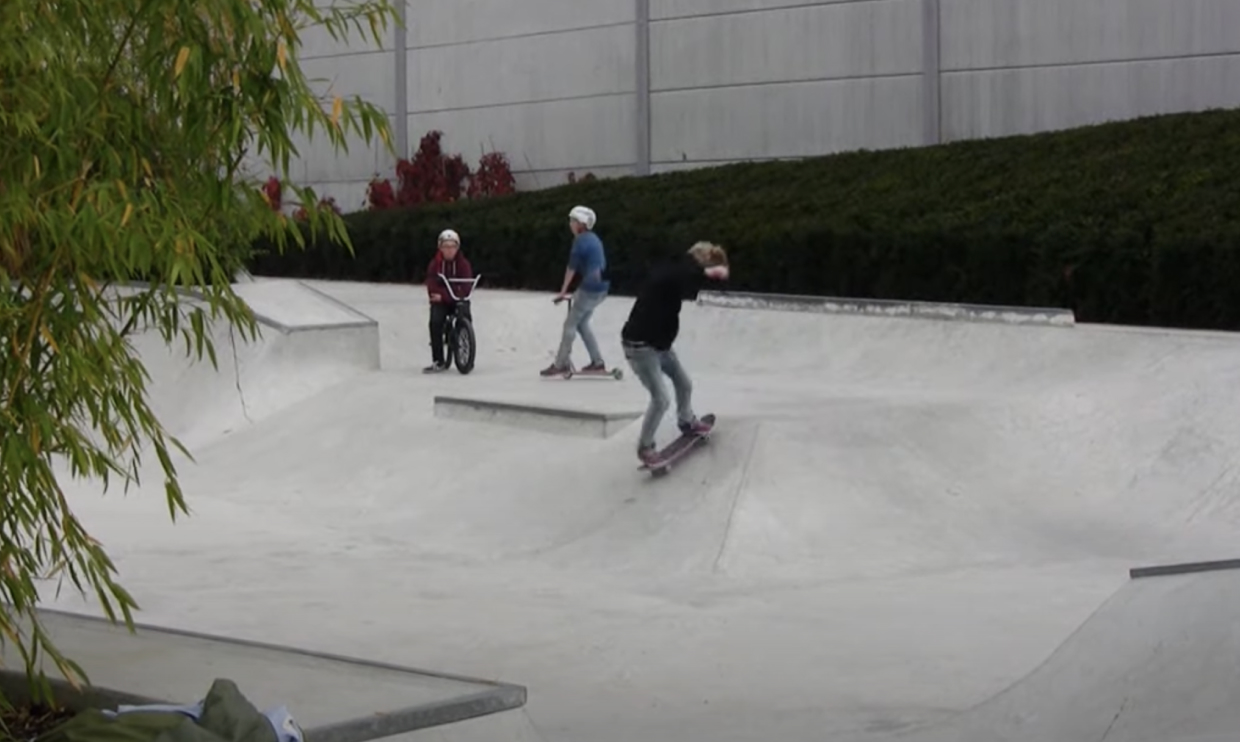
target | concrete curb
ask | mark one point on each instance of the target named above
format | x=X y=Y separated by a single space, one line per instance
x=495 y=697
x=594 y=424
x=1045 y=316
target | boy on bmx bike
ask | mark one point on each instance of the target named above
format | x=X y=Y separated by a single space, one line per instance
x=448 y=267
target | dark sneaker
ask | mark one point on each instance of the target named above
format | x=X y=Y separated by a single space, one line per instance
x=595 y=367
x=553 y=370
x=648 y=455
x=435 y=368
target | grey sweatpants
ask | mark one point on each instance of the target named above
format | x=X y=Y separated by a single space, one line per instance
x=578 y=321
x=650 y=364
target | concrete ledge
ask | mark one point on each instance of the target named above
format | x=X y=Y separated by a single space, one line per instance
x=1184 y=568
x=332 y=698
x=559 y=420
x=890 y=308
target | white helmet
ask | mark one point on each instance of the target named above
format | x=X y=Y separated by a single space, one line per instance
x=583 y=214
x=449 y=235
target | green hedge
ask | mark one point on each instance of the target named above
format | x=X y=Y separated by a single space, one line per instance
x=1135 y=222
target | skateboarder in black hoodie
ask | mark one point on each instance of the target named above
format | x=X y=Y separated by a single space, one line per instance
x=653 y=324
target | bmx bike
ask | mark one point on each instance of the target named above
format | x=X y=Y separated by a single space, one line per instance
x=460 y=342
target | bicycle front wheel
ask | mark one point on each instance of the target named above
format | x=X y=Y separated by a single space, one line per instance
x=464 y=345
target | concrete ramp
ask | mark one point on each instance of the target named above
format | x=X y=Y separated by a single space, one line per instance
x=307 y=342
x=1156 y=663
x=674 y=526
x=292 y=305
x=589 y=423
x=456 y=491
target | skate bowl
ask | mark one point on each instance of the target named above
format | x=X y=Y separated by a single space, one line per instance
x=905 y=523
x=543 y=417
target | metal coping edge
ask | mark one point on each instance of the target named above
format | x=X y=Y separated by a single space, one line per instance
x=425 y=716
x=1042 y=316
x=1183 y=568
x=535 y=408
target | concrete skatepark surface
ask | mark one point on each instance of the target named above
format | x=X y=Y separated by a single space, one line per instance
x=897 y=519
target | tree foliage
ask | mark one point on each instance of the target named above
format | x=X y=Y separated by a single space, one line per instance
x=126 y=125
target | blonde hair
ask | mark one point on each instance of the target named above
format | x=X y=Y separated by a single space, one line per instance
x=708 y=254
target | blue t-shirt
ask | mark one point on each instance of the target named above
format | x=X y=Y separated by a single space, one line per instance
x=588 y=260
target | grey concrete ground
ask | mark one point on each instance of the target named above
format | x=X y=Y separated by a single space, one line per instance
x=896 y=520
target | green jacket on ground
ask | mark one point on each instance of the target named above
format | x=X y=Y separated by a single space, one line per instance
x=227 y=716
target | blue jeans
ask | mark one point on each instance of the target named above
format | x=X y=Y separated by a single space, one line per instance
x=650 y=364
x=578 y=321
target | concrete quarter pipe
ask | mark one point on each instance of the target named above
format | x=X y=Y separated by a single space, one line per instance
x=1158 y=662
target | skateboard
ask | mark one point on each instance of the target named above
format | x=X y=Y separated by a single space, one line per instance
x=679 y=448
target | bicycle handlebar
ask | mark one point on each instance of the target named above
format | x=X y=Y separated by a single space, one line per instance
x=447 y=282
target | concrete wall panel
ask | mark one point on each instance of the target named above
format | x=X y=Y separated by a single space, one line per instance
x=443 y=22
x=371 y=76
x=665 y=9
x=1024 y=101
x=361 y=162
x=553 y=83
x=1008 y=33
x=580 y=134
x=790 y=120
x=583 y=63
x=832 y=41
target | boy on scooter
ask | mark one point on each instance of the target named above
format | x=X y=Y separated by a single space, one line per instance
x=588 y=260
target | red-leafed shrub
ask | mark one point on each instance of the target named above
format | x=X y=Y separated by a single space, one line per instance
x=494 y=177
x=274 y=193
x=431 y=177
x=380 y=195
x=434 y=177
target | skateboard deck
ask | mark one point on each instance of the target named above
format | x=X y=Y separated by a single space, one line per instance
x=679 y=448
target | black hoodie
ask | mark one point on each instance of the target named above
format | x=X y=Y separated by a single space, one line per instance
x=655 y=317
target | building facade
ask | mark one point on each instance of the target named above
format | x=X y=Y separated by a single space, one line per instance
x=621 y=87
